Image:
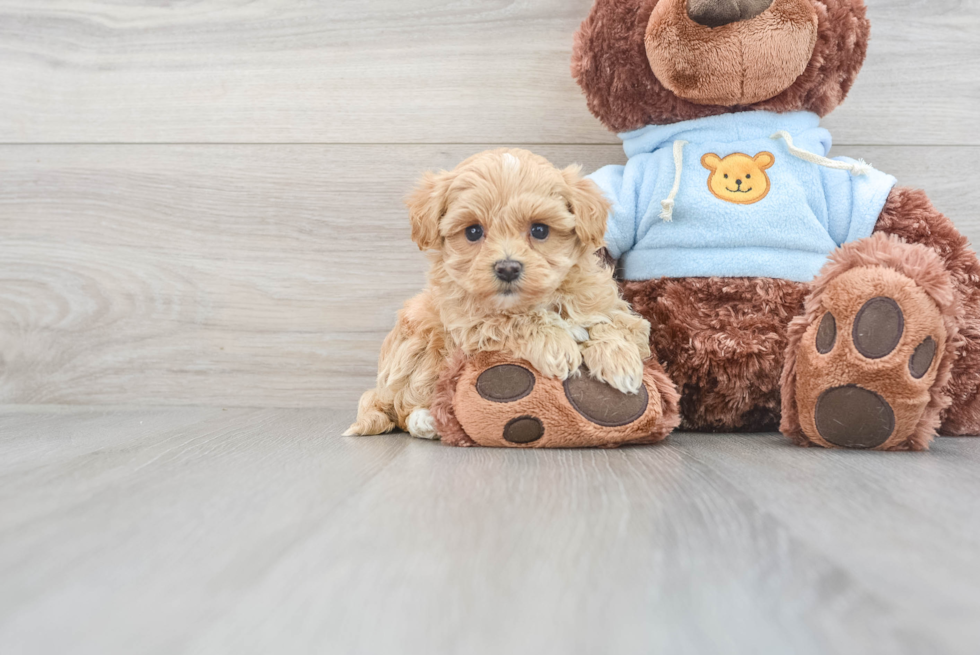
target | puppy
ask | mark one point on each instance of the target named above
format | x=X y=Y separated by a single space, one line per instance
x=513 y=244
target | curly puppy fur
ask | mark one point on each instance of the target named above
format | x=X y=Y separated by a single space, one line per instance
x=611 y=65
x=562 y=309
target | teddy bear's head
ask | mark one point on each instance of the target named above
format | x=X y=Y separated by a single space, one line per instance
x=643 y=62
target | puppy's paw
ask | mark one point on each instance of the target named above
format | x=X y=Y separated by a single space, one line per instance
x=421 y=425
x=555 y=354
x=616 y=362
x=579 y=333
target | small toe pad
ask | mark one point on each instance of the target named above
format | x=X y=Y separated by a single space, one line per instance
x=826 y=334
x=922 y=358
x=505 y=383
x=524 y=429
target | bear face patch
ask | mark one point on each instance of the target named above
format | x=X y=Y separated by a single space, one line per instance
x=739 y=178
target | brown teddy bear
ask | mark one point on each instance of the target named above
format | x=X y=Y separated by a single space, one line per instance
x=785 y=289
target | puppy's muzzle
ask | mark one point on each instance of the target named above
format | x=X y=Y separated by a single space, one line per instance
x=508 y=270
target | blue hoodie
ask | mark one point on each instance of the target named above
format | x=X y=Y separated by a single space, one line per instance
x=728 y=196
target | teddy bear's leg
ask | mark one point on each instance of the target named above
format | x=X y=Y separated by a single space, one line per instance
x=722 y=342
x=868 y=360
x=491 y=399
x=910 y=215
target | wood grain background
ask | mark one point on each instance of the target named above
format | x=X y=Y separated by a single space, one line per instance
x=200 y=202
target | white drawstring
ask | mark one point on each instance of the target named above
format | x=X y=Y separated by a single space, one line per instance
x=668 y=205
x=860 y=168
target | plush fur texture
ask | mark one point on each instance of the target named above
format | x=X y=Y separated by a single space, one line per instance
x=722 y=342
x=611 y=64
x=464 y=418
x=911 y=216
x=456 y=404
x=914 y=276
x=442 y=406
x=736 y=64
x=562 y=310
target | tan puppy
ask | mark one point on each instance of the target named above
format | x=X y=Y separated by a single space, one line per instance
x=514 y=269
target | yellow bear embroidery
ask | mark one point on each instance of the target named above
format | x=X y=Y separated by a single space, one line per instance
x=739 y=178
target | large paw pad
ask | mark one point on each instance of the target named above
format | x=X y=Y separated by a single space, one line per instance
x=865 y=368
x=852 y=417
x=498 y=401
x=603 y=405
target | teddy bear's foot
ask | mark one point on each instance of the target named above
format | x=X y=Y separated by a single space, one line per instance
x=494 y=400
x=871 y=351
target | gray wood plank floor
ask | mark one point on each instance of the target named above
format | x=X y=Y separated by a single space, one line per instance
x=203 y=530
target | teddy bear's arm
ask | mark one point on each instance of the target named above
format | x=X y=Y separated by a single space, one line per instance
x=909 y=214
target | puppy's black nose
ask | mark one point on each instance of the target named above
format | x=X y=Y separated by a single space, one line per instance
x=508 y=270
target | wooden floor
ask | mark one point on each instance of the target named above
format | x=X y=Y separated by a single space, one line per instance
x=204 y=530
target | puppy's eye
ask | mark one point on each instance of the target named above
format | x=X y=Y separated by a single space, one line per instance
x=539 y=231
x=474 y=233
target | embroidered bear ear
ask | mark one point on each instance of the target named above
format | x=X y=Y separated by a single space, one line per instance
x=764 y=160
x=711 y=161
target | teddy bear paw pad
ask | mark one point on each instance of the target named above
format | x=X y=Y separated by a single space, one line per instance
x=492 y=400
x=602 y=404
x=523 y=429
x=852 y=417
x=505 y=383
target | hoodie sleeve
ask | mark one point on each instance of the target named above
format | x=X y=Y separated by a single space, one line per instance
x=854 y=202
x=621 y=226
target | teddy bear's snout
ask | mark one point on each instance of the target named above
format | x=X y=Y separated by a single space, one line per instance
x=715 y=13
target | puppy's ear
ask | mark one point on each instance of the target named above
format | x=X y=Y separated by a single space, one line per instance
x=426 y=206
x=590 y=207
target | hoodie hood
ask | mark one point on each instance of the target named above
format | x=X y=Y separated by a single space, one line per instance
x=729 y=128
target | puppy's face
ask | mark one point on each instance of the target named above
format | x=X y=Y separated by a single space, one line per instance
x=508 y=226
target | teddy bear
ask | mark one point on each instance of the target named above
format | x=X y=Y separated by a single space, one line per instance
x=785 y=289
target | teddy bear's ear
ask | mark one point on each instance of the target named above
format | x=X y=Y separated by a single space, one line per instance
x=590 y=207
x=711 y=161
x=427 y=204
x=764 y=160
